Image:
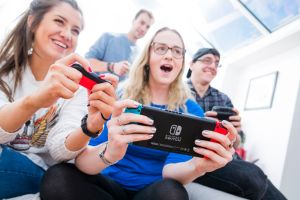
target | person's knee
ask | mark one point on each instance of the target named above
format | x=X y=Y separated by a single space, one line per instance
x=254 y=179
x=172 y=189
x=255 y=176
x=171 y=183
x=55 y=181
x=61 y=171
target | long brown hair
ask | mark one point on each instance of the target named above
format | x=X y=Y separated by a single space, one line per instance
x=14 y=50
x=137 y=85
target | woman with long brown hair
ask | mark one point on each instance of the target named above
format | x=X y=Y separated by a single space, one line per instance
x=41 y=102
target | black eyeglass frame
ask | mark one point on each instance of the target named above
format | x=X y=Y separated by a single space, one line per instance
x=153 y=44
x=209 y=62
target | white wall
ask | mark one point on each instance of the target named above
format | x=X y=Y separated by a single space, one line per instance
x=291 y=173
x=268 y=131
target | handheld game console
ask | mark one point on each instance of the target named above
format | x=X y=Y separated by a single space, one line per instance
x=175 y=131
x=89 y=79
x=223 y=112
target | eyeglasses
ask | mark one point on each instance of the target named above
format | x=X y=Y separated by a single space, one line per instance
x=162 y=49
x=209 y=62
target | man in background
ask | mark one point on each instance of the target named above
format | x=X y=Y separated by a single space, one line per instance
x=238 y=177
x=204 y=66
x=113 y=52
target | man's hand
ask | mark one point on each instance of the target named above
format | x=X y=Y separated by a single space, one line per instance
x=121 y=68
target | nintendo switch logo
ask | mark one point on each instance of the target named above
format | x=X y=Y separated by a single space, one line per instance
x=174 y=133
x=175 y=130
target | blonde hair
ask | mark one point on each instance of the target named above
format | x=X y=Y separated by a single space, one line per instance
x=137 y=88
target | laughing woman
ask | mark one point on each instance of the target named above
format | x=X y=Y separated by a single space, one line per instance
x=133 y=172
x=41 y=102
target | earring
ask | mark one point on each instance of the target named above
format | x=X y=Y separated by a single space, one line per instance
x=147 y=67
x=29 y=52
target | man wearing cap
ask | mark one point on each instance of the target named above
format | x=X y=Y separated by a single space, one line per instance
x=204 y=67
x=238 y=177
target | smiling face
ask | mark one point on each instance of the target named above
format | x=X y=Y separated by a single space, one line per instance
x=57 y=34
x=141 y=25
x=164 y=68
x=204 y=70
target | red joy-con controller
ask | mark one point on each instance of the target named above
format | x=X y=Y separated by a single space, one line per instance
x=89 y=79
x=219 y=129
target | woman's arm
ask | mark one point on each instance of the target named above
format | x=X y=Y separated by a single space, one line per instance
x=64 y=144
x=216 y=155
x=60 y=82
x=89 y=160
x=123 y=128
x=14 y=115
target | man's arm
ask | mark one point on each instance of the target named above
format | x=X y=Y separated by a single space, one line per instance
x=98 y=65
x=96 y=53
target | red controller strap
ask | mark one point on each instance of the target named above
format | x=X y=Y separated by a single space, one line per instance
x=87 y=83
x=219 y=129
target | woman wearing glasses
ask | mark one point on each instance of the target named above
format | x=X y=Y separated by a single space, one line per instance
x=133 y=172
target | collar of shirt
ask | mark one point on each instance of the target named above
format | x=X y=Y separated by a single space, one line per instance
x=196 y=95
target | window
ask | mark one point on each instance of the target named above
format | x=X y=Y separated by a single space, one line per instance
x=222 y=24
x=274 y=13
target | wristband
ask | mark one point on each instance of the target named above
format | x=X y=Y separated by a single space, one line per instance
x=85 y=129
x=110 y=67
x=105 y=119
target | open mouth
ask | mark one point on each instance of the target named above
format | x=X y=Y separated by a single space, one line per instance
x=166 y=68
x=60 y=44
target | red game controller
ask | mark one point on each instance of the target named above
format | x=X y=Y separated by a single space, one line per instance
x=89 y=79
x=219 y=128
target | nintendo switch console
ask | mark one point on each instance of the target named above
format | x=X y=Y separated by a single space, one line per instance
x=89 y=79
x=223 y=112
x=175 y=131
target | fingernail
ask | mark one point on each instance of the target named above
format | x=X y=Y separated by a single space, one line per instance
x=136 y=104
x=150 y=136
x=102 y=75
x=153 y=130
x=195 y=148
x=205 y=133
x=225 y=122
x=198 y=141
x=150 y=121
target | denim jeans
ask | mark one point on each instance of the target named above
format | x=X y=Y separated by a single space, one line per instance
x=243 y=179
x=18 y=174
